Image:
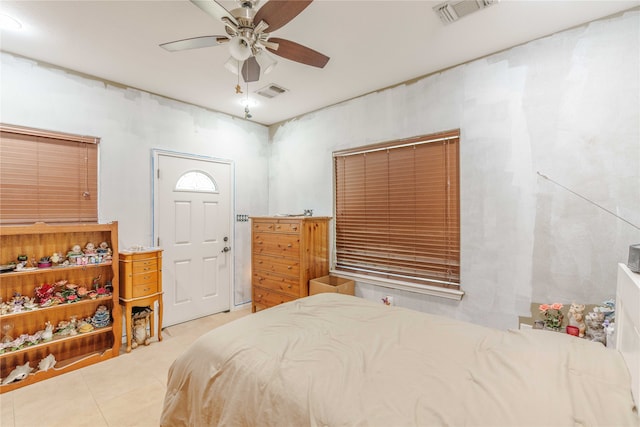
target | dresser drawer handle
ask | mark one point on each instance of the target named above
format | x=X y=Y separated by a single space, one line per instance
x=289 y=267
x=259 y=262
x=289 y=245
x=289 y=287
x=295 y=228
x=146 y=289
x=146 y=277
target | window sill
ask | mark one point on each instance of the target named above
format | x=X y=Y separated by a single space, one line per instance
x=437 y=291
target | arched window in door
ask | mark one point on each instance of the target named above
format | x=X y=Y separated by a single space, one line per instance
x=196 y=181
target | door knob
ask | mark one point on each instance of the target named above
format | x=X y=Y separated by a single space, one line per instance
x=226 y=249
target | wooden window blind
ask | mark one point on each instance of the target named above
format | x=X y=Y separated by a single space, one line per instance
x=47 y=176
x=397 y=210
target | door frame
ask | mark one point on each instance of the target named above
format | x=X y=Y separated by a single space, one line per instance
x=155 y=153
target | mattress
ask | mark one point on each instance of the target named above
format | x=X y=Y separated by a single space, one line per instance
x=339 y=360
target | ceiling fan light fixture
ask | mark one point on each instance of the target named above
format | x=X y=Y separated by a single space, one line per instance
x=266 y=61
x=240 y=48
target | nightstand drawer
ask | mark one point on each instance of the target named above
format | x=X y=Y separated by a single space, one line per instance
x=143 y=278
x=143 y=266
x=144 y=289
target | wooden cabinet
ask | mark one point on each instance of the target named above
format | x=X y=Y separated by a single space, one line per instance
x=141 y=285
x=75 y=349
x=286 y=252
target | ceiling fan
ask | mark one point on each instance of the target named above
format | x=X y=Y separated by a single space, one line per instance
x=245 y=27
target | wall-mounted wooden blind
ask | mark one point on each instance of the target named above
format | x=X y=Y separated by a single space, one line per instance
x=47 y=176
x=397 y=210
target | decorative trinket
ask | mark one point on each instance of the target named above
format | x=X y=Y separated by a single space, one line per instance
x=101 y=317
x=47 y=363
x=18 y=374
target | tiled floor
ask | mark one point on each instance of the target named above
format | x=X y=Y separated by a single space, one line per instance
x=127 y=390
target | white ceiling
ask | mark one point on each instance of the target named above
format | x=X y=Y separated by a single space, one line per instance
x=372 y=45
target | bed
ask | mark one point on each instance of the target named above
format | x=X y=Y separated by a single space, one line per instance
x=339 y=360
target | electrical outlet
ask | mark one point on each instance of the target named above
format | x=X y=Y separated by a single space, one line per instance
x=387 y=300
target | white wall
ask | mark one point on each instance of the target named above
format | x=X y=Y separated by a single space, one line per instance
x=567 y=106
x=130 y=124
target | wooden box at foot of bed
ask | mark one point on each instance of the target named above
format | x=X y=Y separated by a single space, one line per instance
x=339 y=360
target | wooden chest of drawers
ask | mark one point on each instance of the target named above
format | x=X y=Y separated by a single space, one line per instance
x=286 y=252
x=141 y=285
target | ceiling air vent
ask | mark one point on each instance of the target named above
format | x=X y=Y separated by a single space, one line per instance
x=455 y=9
x=271 y=91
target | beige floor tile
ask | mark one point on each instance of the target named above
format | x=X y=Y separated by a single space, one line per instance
x=6 y=410
x=53 y=402
x=139 y=406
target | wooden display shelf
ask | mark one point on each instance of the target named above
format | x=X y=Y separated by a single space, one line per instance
x=62 y=306
x=57 y=340
x=71 y=351
x=38 y=271
x=61 y=367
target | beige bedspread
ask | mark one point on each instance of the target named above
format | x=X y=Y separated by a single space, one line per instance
x=337 y=360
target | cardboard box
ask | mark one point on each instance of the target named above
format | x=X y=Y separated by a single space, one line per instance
x=332 y=284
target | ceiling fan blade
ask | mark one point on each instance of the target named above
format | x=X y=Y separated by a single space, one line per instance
x=251 y=70
x=194 y=43
x=277 y=13
x=214 y=9
x=296 y=52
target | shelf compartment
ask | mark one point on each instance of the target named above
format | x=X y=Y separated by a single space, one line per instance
x=62 y=348
x=4 y=318
x=62 y=367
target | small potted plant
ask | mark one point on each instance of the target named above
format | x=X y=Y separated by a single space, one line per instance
x=552 y=316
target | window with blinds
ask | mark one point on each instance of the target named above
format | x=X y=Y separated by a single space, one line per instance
x=47 y=176
x=397 y=210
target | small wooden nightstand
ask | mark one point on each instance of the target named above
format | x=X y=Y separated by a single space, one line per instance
x=141 y=285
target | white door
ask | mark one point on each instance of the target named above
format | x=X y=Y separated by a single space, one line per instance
x=193 y=217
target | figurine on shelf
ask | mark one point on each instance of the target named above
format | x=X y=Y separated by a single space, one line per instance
x=85 y=326
x=90 y=249
x=44 y=294
x=56 y=258
x=95 y=284
x=45 y=262
x=6 y=333
x=101 y=317
x=595 y=329
x=23 y=261
x=105 y=251
x=47 y=363
x=4 y=307
x=17 y=302
x=30 y=303
x=576 y=318
x=19 y=373
x=75 y=254
x=47 y=335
